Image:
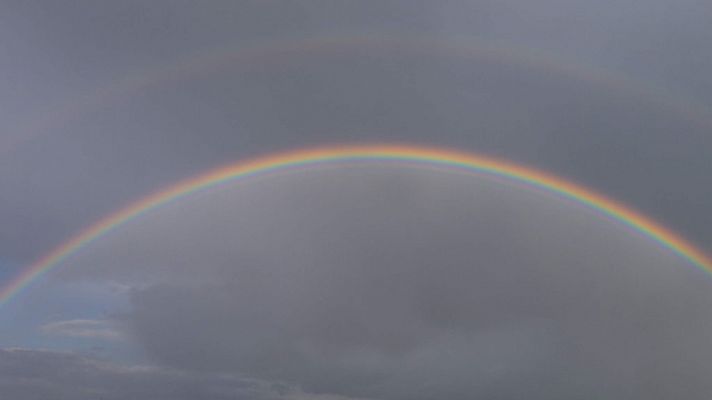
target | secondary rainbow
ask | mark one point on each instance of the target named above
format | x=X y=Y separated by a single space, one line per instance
x=445 y=158
x=278 y=51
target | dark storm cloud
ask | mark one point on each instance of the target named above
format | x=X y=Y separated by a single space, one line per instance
x=397 y=283
x=27 y=374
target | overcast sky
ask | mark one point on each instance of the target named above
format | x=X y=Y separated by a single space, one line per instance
x=376 y=282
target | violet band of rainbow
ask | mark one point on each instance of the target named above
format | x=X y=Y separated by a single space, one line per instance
x=455 y=159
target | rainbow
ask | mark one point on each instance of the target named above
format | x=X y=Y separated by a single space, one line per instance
x=444 y=158
x=277 y=51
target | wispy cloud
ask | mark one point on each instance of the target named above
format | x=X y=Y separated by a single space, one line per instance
x=85 y=328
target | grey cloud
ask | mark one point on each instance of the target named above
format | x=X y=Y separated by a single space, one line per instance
x=395 y=282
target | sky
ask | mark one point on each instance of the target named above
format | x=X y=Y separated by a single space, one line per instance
x=368 y=281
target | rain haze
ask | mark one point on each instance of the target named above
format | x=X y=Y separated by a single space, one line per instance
x=512 y=199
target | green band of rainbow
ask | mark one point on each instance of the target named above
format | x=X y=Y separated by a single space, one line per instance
x=312 y=157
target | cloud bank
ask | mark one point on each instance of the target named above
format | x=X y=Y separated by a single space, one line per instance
x=402 y=283
x=27 y=374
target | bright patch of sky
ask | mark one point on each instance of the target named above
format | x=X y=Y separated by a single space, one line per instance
x=26 y=317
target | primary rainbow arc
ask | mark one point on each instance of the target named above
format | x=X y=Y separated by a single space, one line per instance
x=312 y=157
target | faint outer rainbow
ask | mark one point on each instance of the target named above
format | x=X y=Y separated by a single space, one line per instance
x=280 y=51
x=454 y=159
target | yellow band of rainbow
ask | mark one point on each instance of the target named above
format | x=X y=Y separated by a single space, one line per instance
x=455 y=159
